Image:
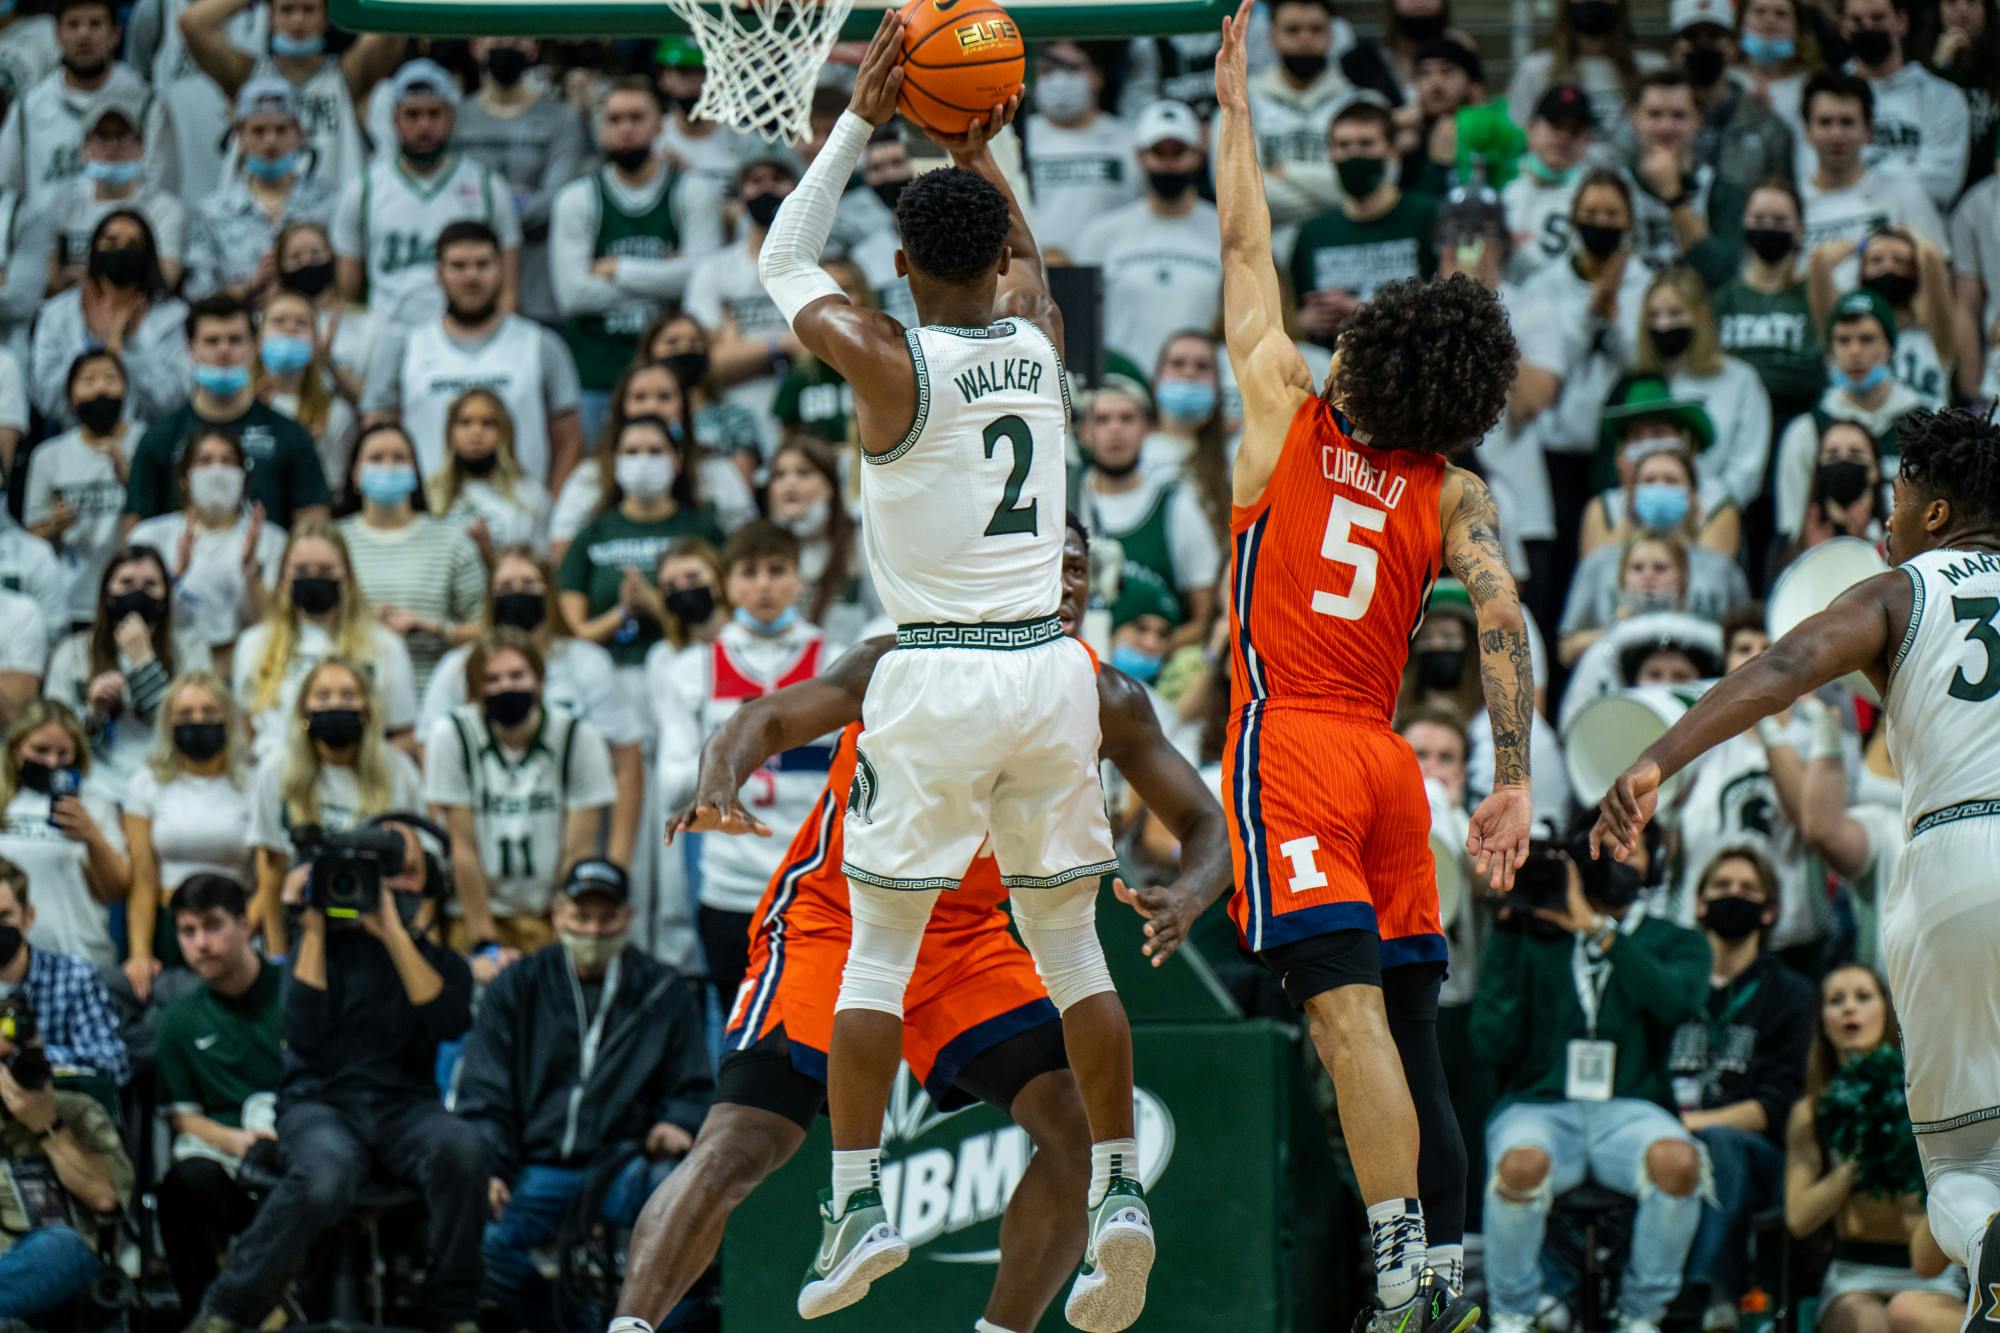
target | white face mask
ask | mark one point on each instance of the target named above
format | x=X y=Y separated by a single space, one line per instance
x=1062 y=94
x=646 y=476
x=216 y=488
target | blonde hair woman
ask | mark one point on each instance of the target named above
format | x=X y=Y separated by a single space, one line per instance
x=317 y=610
x=187 y=812
x=481 y=487
x=295 y=376
x=1679 y=343
x=334 y=773
x=69 y=845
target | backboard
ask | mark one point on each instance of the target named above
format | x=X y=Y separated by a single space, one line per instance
x=1039 y=19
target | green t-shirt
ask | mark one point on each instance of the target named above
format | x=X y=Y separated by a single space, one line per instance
x=1774 y=332
x=816 y=399
x=285 y=472
x=1336 y=253
x=215 y=1051
x=611 y=543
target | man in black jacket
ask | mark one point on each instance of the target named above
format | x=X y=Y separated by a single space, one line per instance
x=366 y=1006
x=1737 y=1069
x=582 y=1051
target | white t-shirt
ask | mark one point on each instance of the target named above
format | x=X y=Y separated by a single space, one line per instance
x=582 y=681
x=209 y=598
x=394 y=683
x=200 y=825
x=28 y=566
x=119 y=750
x=337 y=794
x=1161 y=275
x=24 y=647
x=1077 y=174
x=727 y=289
x=1558 y=332
x=1538 y=216
x=67 y=918
x=511 y=520
x=1597 y=75
x=391 y=220
x=68 y=469
x=1975 y=244
x=1881 y=197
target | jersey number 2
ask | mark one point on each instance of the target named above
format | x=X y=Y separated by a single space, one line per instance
x=1341 y=521
x=1012 y=516
x=1980 y=611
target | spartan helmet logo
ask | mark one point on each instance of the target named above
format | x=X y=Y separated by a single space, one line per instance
x=861 y=796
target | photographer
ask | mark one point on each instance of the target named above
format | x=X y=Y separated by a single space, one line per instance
x=61 y=1165
x=78 y=1030
x=1579 y=997
x=370 y=997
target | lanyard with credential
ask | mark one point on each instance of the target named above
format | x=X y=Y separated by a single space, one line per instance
x=1718 y=1027
x=1593 y=977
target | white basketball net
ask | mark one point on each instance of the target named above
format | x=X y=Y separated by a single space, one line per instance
x=762 y=58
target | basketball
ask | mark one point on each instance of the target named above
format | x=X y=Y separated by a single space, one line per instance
x=959 y=62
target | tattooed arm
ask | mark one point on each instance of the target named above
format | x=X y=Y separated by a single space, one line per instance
x=1498 y=840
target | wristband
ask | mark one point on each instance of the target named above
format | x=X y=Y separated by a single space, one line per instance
x=1770 y=733
x=1827 y=735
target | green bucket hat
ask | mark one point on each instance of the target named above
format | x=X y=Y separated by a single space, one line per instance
x=1639 y=398
x=1142 y=592
x=679 y=52
x=1861 y=301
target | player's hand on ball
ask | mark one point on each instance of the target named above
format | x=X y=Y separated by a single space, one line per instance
x=1625 y=810
x=1497 y=839
x=978 y=133
x=1169 y=912
x=880 y=79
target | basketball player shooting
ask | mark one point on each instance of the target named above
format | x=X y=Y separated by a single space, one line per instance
x=1925 y=634
x=983 y=720
x=1345 y=508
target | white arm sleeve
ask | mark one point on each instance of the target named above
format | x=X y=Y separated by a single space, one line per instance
x=788 y=265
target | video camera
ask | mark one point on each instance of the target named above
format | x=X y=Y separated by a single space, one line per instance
x=1542 y=882
x=29 y=1066
x=348 y=869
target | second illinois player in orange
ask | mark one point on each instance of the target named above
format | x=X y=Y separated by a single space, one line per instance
x=1346 y=513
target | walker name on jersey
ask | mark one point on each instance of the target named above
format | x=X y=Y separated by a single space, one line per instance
x=1969 y=567
x=1344 y=467
x=995 y=376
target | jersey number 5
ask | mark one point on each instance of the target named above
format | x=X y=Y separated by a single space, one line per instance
x=1341 y=521
x=1012 y=516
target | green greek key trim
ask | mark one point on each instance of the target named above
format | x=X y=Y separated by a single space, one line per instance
x=923 y=405
x=869 y=877
x=1956 y=1122
x=1056 y=881
x=999 y=328
x=1953 y=814
x=1916 y=617
x=1004 y=636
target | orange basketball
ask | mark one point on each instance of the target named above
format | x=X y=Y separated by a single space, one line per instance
x=961 y=58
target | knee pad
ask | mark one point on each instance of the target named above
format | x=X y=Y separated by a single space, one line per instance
x=1059 y=926
x=888 y=932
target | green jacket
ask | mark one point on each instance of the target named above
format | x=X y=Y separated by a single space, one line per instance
x=1526 y=1012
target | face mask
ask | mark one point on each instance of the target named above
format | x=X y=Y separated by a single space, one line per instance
x=763 y=208
x=506 y=65
x=592 y=952
x=688 y=104
x=1137 y=664
x=480 y=465
x=1063 y=94
x=1872 y=46
x=1649 y=602
x=124 y=266
x=1704 y=66
x=141 y=604
x=645 y=476
x=1673 y=341
x=216 y=488
x=890 y=192
x=10 y=945
x=1170 y=185
x=1617 y=885
x=423 y=160
x=309 y=280
x=1187 y=401
x=510 y=708
x=37 y=776
x=1866 y=382
x=808 y=522
x=112 y=173
x=1440 y=670
x=410 y=906
x=297 y=48
x=778 y=624
x=1761 y=50
x=1768 y=244
x=1895 y=288
x=315 y=596
x=200 y=741
x=1600 y=242
x=1420 y=28
x=284 y=354
x=691 y=606
x=222 y=381
x=335 y=728
x=523 y=610
x=387 y=483
x=272 y=168
x=1733 y=918
x=101 y=413
x=630 y=159
x=1843 y=482
x=690 y=368
x=1659 y=505
x=1304 y=68
x=1361 y=176
x=1593 y=18
x=1547 y=175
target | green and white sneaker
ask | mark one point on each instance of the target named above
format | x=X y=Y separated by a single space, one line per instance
x=1436 y=1308
x=1110 y=1292
x=854 y=1249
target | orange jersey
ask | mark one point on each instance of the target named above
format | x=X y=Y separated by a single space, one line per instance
x=1330 y=571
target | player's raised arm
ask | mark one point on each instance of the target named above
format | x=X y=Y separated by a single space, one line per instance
x=1273 y=376
x=1024 y=286
x=1498 y=840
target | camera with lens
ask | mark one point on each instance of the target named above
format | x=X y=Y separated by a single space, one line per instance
x=348 y=869
x=1542 y=882
x=28 y=1064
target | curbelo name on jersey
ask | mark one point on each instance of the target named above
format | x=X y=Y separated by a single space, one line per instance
x=1344 y=467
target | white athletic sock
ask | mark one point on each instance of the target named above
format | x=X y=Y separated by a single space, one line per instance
x=629 y=1323
x=988 y=1326
x=860 y=1169
x=1449 y=1263
x=1113 y=1157
x=1397 y=1228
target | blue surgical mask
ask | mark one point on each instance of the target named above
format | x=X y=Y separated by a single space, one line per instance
x=113 y=173
x=222 y=381
x=1659 y=505
x=387 y=483
x=297 y=48
x=1866 y=383
x=783 y=621
x=1761 y=50
x=283 y=354
x=1186 y=401
x=1547 y=175
x=271 y=169
x=1137 y=664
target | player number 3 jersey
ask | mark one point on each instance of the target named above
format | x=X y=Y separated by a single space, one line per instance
x=1944 y=688
x=963 y=520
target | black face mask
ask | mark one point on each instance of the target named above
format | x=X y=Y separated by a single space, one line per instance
x=36 y=776
x=1674 y=341
x=141 y=604
x=1872 y=46
x=122 y=266
x=1733 y=918
x=688 y=104
x=200 y=741
x=308 y=280
x=510 y=708
x=1617 y=885
x=10 y=945
x=690 y=368
x=506 y=65
x=1593 y=18
x=1895 y=288
x=1769 y=244
x=315 y=596
x=1170 y=185
x=480 y=466
x=1420 y=27
x=1440 y=669
x=1843 y=482
x=630 y=159
x=1600 y=242
x=523 y=610
x=1704 y=66
x=890 y=192
x=763 y=208
x=335 y=728
x=1304 y=68
x=691 y=606
x=101 y=413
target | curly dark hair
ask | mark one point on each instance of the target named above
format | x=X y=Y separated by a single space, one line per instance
x=1954 y=455
x=953 y=224
x=1425 y=365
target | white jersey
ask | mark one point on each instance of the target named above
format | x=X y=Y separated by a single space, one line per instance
x=963 y=520
x=195 y=111
x=28 y=51
x=1077 y=173
x=1920 y=369
x=437 y=368
x=41 y=143
x=392 y=220
x=1944 y=729
x=334 y=148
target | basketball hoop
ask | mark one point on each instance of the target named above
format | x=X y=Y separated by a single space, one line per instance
x=762 y=59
